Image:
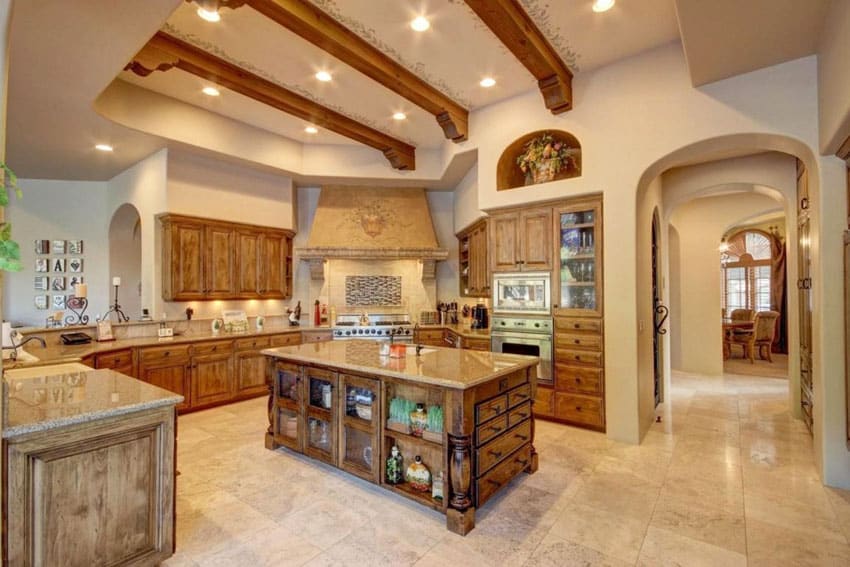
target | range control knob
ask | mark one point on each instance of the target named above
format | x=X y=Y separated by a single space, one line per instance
x=537 y=324
x=348 y=332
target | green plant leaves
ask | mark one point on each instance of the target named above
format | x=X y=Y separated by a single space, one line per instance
x=10 y=252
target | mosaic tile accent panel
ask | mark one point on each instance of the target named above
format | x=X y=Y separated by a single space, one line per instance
x=372 y=290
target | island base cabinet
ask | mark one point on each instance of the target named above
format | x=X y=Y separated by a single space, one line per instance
x=92 y=494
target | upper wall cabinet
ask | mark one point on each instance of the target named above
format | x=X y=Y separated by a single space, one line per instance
x=521 y=240
x=539 y=157
x=204 y=259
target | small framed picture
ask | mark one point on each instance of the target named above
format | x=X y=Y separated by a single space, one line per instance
x=42 y=247
x=58 y=265
x=42 y=265
x=41 y=302
x=41 y=283
x=57 y=283
x=58 y=302
x=75 y=265
x=104 y=330
x=75 y=247
x=58 y=247
x=73 y=281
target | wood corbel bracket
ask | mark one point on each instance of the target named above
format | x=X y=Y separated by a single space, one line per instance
x=429 y=269
x=317 y=268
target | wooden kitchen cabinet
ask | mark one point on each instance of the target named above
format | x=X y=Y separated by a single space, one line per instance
x=212 y=373
x=250 y=367
x=168 y=368
x=520 y=240
x=121 y=361
x=473 y=265
x=205 y=259
x=429 y=337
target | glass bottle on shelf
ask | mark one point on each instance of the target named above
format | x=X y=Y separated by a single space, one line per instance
x=578 y=259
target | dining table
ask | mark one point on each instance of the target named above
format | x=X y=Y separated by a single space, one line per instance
x=730 y=326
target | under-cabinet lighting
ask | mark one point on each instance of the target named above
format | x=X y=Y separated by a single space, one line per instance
x=487 y=82
x=104 y=147
x=210 y=91
x=323 y=76
x=311 y=130
x=209 y=15
x=420 y=24
x=399 y=116
x=602 y=5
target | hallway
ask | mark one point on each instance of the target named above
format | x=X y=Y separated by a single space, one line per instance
x=725 y=479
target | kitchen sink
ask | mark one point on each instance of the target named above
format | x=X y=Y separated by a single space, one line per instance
x=22 y=356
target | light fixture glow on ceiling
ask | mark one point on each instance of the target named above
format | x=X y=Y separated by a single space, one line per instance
x=420 y=24
x=323 y=76
x=399 y=116
x=210 y=91
x=209 y=15
x=311 y=130
x=602 y=5
x=487 y=82
x=103 y=147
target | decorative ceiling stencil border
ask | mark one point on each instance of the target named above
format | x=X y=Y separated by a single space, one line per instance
x=539 y=12
x=370 y=35
x=210 y=47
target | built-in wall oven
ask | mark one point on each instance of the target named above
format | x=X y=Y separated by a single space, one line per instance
x=521 y=293
x=530 y=336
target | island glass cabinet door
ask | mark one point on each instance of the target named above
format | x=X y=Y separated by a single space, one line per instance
x=359 y=450
x=288 y=426
x=320 y=399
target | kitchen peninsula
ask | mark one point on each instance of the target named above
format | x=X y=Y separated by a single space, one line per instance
x=339 y=402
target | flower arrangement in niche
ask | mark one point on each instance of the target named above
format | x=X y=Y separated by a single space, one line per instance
x=544 y=157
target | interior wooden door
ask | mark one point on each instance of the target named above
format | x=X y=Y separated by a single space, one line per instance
x=504 y=244
x=804 y=294
x=248 y=251
x=536 y=239
x=220 y=261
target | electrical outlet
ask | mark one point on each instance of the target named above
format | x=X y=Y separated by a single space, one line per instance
x=165 y=332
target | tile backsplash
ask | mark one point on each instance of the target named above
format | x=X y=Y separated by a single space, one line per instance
x=362 y=291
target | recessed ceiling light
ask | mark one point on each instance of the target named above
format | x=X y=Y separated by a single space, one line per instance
x=602 y=5
x=323 y=76
x=399 y=116
x=311 y=130
x=487 y=82
x=209 y=15
x=103 y=147
x=420 y=24
x=210 y=91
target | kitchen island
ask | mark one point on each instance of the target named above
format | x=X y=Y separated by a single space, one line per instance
x=344 y=403
x=89 y=457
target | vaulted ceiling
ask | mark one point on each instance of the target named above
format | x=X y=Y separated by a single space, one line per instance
x=64 y=54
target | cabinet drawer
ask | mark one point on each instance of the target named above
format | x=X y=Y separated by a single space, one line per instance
x=582 y=409
x=571 y=341
x=252 y=343
x=212 y=347
x=119 y=358
x=543 y=402
x=578 y=325
x=490 y=409
x=429 y=335
x=519 y=414
x=494 y=451
x=580 y=380
x=316 y=336
x=581 y=357
x=519 y=395
x=488 y=484
x=153 y=355
x=476 y=344
x=489 y=430
x=285 y=339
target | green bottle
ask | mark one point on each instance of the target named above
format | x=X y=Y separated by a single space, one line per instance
x=395 y=474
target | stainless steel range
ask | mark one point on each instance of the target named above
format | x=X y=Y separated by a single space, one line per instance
x=525 y=335
x=380 y=327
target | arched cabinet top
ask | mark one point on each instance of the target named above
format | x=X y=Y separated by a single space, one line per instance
x=539 y=157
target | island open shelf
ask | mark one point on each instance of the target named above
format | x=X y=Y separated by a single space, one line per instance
x=344 y=404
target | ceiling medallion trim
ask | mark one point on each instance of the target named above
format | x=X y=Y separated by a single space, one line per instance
x=214 y=49
x=541 y=16
x=371 y=36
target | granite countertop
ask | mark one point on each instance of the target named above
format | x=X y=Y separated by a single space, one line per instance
x=56 y=353
x=43 y=403
x=447 y=367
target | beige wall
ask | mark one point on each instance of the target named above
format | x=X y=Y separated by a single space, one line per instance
x=834 y=77
x=700 y=225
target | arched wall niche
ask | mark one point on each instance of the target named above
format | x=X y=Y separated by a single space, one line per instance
x=125 y=259
x=549 y=155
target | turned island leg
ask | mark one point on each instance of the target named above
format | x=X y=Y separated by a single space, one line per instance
x=270 y=370
x=460 y=516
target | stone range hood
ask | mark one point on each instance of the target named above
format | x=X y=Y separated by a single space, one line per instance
x=366 y=223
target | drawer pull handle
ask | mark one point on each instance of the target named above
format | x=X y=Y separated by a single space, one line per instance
x=577 y=326
x=495 y=453
x=167 y=353
x=578 y=380
x=577 y=341
x=495 y=428
x=215 y=347
x=491 y=481
x=522 y=415
x=578 y=408
x=523 y=462
x=522 y=437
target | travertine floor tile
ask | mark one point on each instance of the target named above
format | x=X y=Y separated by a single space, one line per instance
x=609 y=533
x=663 y=547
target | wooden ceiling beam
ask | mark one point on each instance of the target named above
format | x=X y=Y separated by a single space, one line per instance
x=162 y=52
x=312 y=24
x=515 y=29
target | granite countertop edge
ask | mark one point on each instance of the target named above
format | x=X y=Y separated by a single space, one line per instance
x=13 y=431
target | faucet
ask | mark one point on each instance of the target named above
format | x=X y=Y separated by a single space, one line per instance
x=415 y=334
x=15 y=347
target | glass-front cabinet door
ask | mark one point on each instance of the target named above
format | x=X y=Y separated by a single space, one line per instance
x=579 y=285
x=286 y=420
x=359 y=446
x=321 y=414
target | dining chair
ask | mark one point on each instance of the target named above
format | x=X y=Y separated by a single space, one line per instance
x=761 y=336
x=741 y=315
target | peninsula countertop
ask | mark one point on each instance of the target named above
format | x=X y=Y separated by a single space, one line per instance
x=43 y=403
x=447 y=367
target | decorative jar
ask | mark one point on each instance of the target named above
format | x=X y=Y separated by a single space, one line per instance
x=418 y=475
x=418 y=420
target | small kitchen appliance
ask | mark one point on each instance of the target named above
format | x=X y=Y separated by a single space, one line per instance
x=480 y=317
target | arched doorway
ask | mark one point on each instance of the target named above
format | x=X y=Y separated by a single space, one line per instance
x=125 y=259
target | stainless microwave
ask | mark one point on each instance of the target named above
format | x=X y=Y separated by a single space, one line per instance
x=522 y=293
